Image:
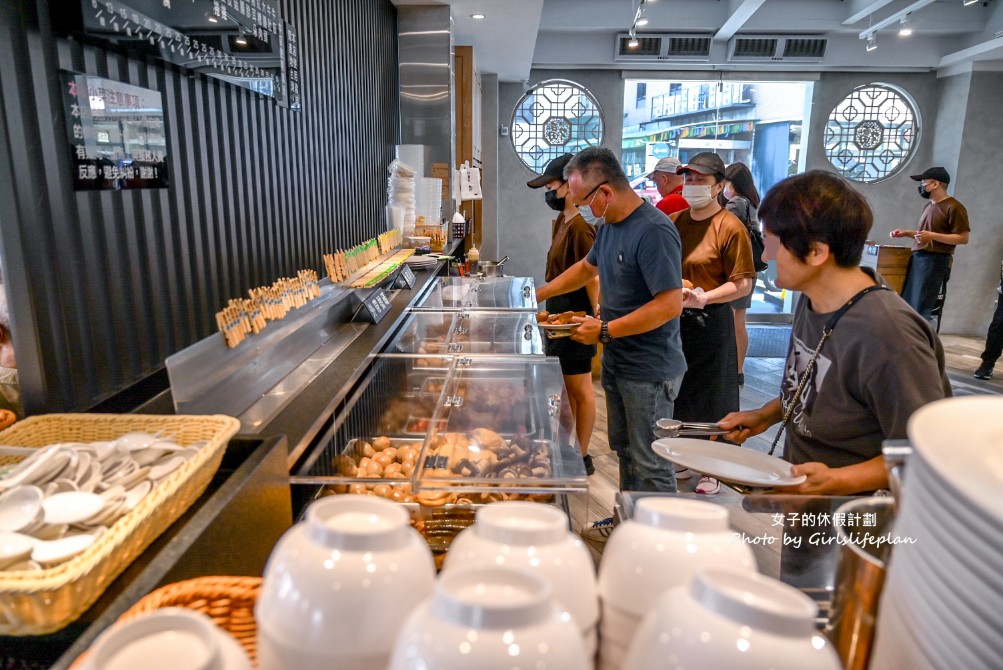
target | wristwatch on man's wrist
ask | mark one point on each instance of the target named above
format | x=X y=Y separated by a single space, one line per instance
x=604 y=335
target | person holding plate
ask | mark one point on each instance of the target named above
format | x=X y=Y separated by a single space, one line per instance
x=571 y=241
x=860 y=360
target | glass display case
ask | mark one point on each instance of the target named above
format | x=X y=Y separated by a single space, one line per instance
x=443 y=434
x=503 y=425
x=487 y=293
x=473 y=332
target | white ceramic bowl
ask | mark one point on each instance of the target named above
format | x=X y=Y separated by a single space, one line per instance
x=732 y=618
x=338 y=587
x=167 y=639
x=617 y=625
x=493 y=618
x=534 y=536
x=661 y=546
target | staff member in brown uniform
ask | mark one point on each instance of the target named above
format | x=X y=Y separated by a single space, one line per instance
x=943 y=225
x=571 y=241
x=717 y=258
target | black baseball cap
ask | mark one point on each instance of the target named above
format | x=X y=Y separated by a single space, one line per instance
x=938 y=173
x=554 y=170
x=705 y=162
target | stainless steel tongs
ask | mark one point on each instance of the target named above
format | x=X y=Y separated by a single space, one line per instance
x=676 y=428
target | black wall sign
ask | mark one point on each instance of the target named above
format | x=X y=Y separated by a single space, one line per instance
x=243 y=42
x=116 y=134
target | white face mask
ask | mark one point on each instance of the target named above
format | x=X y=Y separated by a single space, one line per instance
x=697 y=195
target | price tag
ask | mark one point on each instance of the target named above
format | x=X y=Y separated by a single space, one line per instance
x=405 y=278
x=374 y=307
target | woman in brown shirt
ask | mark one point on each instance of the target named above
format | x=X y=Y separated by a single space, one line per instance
x=571 y=241
x=717 y=258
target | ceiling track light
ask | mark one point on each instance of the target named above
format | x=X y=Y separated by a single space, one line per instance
x=970 y=2
x=872 y=43
x=905 y=30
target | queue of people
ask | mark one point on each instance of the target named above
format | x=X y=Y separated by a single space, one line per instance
x=860 y=360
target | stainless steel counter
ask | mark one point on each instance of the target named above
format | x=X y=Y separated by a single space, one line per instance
x=792 y=537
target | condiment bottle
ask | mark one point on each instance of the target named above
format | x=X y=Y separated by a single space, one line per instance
x=473 y=258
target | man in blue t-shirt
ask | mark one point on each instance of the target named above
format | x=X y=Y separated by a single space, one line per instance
x=637 y=255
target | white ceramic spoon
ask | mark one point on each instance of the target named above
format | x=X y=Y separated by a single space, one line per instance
x=19 y=508
x=14 y=547
x=57 y=551
x=71 y=507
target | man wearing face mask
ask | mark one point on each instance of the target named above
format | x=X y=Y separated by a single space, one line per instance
x=717 y=259
x=943 y=225
x=571 y=241
x=637 y=258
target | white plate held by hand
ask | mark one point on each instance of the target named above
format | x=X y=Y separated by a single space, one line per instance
x=727 y=462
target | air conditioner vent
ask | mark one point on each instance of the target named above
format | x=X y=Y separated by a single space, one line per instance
x=748 y=47
x=659 y=47
x=689 y=46
x=804 y=48
x=777 y=48
x=646 y=46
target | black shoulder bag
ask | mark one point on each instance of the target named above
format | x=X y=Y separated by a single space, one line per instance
x=826 y=332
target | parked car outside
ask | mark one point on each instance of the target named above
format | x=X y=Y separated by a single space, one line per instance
x=645 y=188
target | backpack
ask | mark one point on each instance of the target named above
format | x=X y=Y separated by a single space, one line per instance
x=742 y=208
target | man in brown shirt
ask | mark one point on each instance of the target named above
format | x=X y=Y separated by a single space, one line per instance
x=943 y=225
x=572 y=240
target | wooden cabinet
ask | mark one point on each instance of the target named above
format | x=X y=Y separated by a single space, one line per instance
x=467 y=85
x=891 y=261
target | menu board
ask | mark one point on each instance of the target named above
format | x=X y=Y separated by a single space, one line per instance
x=243 y=42
x=116 y=134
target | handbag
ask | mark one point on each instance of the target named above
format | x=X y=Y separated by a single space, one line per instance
x=826 y=332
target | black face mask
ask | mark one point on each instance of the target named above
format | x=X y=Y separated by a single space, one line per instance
x=555 y=203
x=923 y=192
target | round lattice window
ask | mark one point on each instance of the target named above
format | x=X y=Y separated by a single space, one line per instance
x=553 y=118
x=871 y=133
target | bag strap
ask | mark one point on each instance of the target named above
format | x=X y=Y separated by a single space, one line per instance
x=826 y=332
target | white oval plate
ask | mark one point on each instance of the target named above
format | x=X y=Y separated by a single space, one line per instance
x=727 y=462
x=558 y=326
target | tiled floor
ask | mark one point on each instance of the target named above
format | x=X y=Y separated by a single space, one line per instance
x=762 y=379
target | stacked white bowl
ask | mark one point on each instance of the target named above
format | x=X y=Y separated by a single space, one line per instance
x=731 y=618
x=338 y=587
x=536 y=537
x=490 y=618
x=943 y=595
x=657 y=550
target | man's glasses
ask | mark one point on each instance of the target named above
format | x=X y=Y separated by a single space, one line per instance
x=587 y=200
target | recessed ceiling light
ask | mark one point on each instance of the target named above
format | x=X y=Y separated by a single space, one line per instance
x=477 y=16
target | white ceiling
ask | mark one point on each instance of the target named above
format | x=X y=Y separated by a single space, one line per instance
x=517 y=35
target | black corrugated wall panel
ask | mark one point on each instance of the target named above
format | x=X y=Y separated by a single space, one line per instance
x=104 y=285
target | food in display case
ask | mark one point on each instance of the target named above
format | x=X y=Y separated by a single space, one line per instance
x=481 y=429
x=488 y=293
x=469 y=332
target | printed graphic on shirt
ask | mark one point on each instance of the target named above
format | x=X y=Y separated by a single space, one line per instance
x=797 y=362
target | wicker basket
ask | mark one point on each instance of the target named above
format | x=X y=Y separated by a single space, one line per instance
x=33 y=603
x=228 y=601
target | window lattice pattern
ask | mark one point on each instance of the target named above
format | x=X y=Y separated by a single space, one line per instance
x=553 y=118
x=871 y=133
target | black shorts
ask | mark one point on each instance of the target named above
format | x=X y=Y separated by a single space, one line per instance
x=575 y=365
